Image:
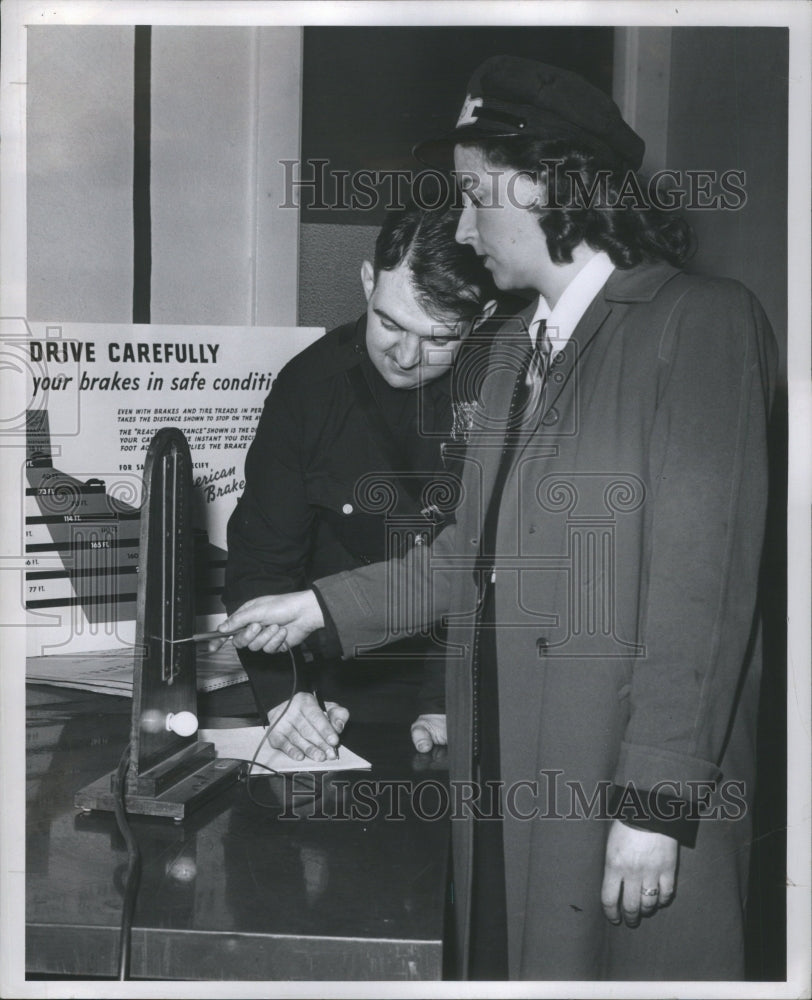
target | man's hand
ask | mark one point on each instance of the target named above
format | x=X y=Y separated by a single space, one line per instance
x=268 y=624
x=301 y=729
x=637 y=862
x=429 y=731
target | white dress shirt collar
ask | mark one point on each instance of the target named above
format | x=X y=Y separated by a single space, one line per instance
x=573 y=303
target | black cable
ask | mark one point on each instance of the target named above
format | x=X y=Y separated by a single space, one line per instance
x=265 y=735
x=133 y=866
x=134 y=854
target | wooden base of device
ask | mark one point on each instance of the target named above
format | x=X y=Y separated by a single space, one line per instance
x=173 y=788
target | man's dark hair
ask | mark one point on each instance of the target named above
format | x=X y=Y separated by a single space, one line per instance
x=448 y=278
x=588 y=199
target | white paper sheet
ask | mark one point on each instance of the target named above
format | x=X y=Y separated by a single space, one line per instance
x=241 y=744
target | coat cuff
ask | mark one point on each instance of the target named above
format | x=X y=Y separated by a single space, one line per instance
x=657 y=813
x=661 y=791
x=324 y=641
x=349 y=614
x=647 y=767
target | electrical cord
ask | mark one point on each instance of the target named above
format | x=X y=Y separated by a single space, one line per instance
x=133 y=866
x=254 y=762
x=133 y=852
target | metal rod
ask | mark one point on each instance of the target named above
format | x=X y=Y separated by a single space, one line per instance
x=202 y=637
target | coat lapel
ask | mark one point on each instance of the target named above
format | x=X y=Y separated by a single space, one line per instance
x=511 y=344
x=564 y=363
x=639 y=284
x=506 y=362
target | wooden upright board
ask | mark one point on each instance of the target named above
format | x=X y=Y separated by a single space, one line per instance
x=169 y=774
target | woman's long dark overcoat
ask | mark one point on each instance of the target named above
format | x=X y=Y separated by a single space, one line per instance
x=630 y=532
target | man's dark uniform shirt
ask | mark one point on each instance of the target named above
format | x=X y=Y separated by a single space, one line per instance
x=330 y=430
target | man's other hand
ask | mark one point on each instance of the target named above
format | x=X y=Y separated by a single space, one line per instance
x=268 y=624
x=429 y=731
x=301 y=729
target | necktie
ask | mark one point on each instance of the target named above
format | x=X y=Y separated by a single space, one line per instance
x=538 y=367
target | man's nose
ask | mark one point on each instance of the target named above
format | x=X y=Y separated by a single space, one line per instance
x=407 y=352
x=466 y=229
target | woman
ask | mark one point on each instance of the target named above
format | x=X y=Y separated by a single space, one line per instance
x=608 y=679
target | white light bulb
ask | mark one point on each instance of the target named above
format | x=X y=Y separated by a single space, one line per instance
x=182 y=723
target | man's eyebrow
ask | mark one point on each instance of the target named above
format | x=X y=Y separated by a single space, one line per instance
x=385 y=315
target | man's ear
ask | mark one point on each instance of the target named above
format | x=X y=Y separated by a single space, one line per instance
x=368 y=279
x=485 y=313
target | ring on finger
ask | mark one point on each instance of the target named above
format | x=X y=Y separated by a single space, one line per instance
x=650 y=892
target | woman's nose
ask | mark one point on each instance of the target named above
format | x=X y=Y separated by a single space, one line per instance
x=466 y=228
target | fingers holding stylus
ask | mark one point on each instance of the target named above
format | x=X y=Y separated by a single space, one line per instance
x=274 y=622
x=302 y=728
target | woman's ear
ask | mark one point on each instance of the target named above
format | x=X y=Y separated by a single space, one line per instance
x=367 y=279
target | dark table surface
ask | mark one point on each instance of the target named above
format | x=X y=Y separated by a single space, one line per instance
x=237 y=890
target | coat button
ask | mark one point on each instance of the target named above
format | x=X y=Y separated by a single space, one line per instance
x=558 y=358
x=347 y=508
x=542 y=645
x=474 y=541
x=550 y=417
x=558 y=377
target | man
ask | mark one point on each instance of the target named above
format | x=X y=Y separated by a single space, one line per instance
x=369 y=406
x=604 y=651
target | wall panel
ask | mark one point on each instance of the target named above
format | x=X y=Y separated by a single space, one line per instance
x=79 y=171
x=728 y=110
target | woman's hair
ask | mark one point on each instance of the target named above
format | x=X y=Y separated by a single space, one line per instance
x=448 y=278
x=590 y=200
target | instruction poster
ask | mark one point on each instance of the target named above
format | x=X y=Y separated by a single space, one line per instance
x=97 y=394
